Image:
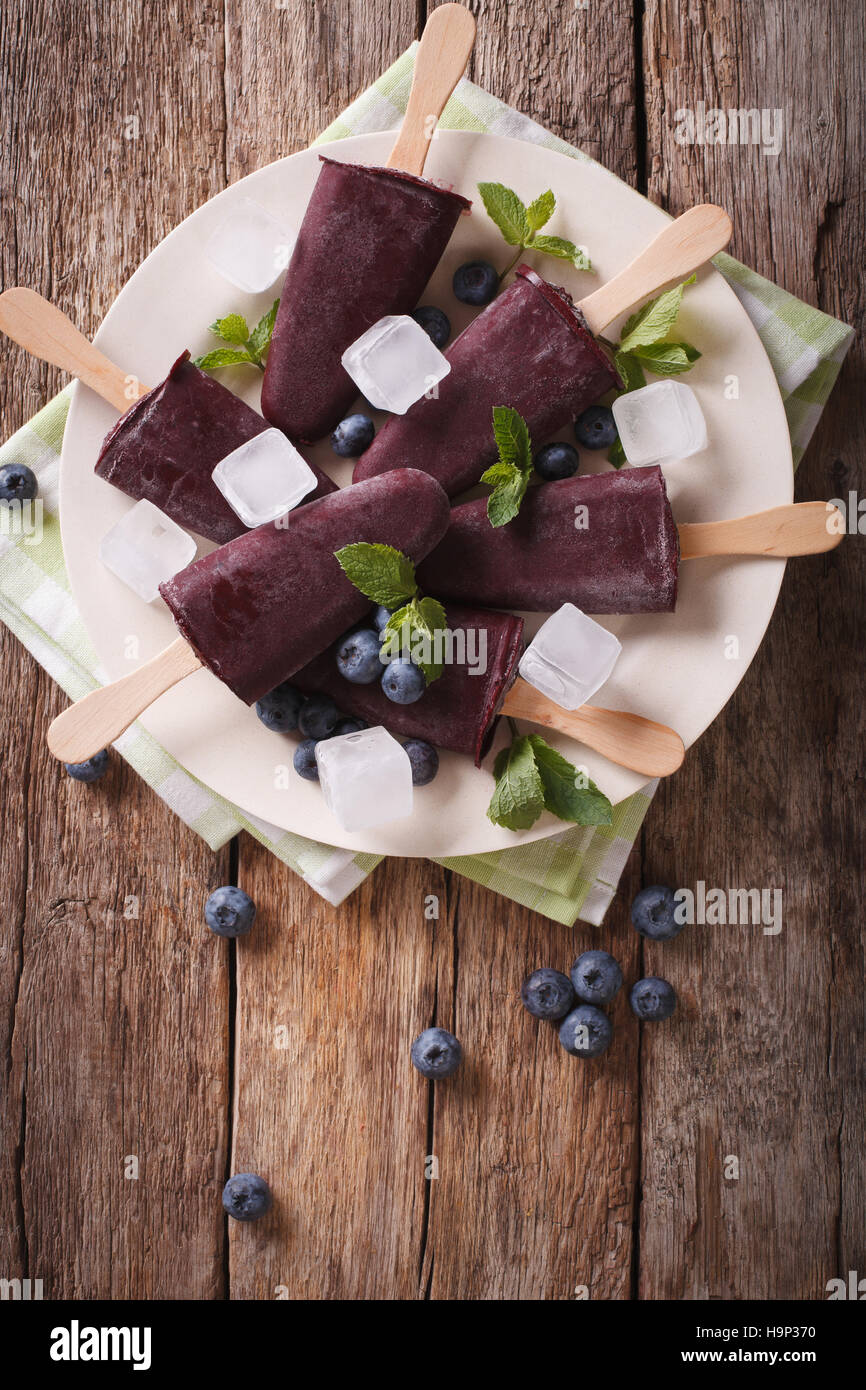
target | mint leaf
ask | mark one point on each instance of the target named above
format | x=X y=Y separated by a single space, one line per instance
x=562 y=794
x=232 y=329
x=223 y=357
x=540 y=211
x=384 y=575
x=630 y=370
x=509 y=477
x=512 y=437
x=616 y=453
x=424 y=617
x=651 y=323
x=563 y=250
x=665 y=359
x=260 y=338
x=507 y=211
x=504 y=502
x=518 y=798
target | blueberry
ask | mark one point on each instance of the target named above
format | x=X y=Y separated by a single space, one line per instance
x=90 y=771
x=424 y=760
x=380 y=618
x=596 y=977
x=17 y=483
x=652 y=913
x=304 y=761
x=595 y=428
x=586 y=1032
x=349 y=726
x=557 y=461
x=652 y=999
x=246 y=1197
x=403 y=682
x=279 y=709
x=352 y=436
x=436 y=325
x=547 y=994
x=358 y=656
x=318 y=716
x=229 y=911
x=476 y=282
x=436 y=1054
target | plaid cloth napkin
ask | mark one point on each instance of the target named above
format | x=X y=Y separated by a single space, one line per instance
x=568 y=875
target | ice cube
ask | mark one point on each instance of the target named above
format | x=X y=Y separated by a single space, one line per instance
x=366 y=778
x=569 y=657
x=264 y=478
x=394 y=363
x=662 y=421
x=145 y=548
x=250 y=248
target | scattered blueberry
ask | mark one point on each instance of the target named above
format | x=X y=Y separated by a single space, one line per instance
x=17 y=483
x=89 y=771
x=304 y=761
x=557 y=461
x=652 y=913
x=547 y=994
x=318 y=716
x=586 y=1032
x=380 y=618
x=358 y=657
x=229 y=911
x=596 y=977
x=349 y=726
x=652 y=999
x=436 y=1053
x=279 y=709
x=596 y=428
x=403 y=682
x=246 y=1197
x=436 y=325
x=476 y=282
x=424 y=760
x=352 y=436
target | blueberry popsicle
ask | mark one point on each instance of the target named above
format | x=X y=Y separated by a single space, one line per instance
x=606 y=542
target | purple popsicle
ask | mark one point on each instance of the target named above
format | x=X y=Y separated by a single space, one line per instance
x=168 y=443
x=369 y=242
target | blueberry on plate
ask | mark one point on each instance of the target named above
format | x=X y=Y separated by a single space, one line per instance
x=246 y=1197
x=380 y=618
x=586 y=1031
x=229 y=911
x=349 y=726
x=436 y=1054
x=424 y=760
x=596 y=428
x=596 y=977
x=403 y=681
x=653 y=913
x=358 y=657
x=318 y=716
x=91 y=770
x=476 y=282
x=304 y=760
x=435 y=323
x=547 y=994
x=17 y=483
x=557 y=460
x=653 y=999
x=352 y=436
x=279 y=709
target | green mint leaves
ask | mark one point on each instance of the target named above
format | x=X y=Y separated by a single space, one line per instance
x=509 y=477
x=411 y=631
x=247 y=346
x=532 y=777
x=520 y=225
x=386 y=576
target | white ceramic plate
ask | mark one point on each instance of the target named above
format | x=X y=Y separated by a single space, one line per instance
x=678 y=668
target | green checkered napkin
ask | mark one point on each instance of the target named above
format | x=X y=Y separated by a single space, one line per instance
x=568 y=875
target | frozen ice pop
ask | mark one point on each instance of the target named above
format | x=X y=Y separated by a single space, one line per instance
x=606 y=542
x=530 y=349
x=369 y=242
x=257 y=609
x=168 y=443
x=459 y=710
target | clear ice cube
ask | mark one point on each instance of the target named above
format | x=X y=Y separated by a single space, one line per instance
x=394 y=363
x=661 y=421
x=250 y=248
x=570 y=657
x=366 y=778
x=145 y=548
x=264 y=478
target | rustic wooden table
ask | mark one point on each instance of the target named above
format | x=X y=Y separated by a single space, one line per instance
x=289 y=1055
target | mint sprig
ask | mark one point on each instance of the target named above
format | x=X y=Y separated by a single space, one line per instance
x=386 y=576
x=532 y=777
x=251 y=347
x=509 y=476
x=520 y=225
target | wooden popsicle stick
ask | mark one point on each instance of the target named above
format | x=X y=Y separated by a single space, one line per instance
x=684 y=245
x=45 y=331
x=443 y=53
x=627 y=739
x=101 y=717
x=798 y=528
